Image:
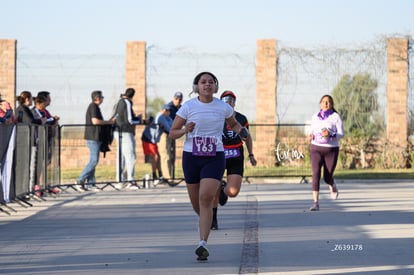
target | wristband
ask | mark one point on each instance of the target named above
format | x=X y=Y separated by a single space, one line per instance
x=251 y=155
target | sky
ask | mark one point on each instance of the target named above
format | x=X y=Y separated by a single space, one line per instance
x=103 y=26
x=96 y=27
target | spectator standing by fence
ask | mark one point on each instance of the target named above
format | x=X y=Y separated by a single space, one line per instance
x=7 y=146
x=234 y=154
x=166 y=145
x=124 y=133
x=325 y=132
x=42 y=100
x=94 y=137
x=24 y=115
x=151 y=136
x=201 y=120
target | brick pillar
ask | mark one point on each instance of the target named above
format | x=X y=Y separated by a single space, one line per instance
x=264 y=144
x=136 y=73
x=8 y=70
x=135 y=77
x=397 y=92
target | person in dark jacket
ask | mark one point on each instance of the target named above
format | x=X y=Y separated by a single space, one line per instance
x=24 y=115
x=124 y=133
x=93 y=128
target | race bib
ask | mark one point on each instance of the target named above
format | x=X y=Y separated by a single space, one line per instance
x=231 y=152
x=322 y=140
x=204 y=146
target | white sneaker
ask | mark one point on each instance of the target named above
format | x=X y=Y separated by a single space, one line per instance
x=78 y=188
x=93 y=188
x=119 y=185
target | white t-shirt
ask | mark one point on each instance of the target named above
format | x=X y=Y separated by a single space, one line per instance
x=209 y=119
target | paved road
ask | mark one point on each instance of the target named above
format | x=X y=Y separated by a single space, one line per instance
x=267 y=229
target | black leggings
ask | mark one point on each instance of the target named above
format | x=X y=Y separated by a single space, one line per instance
x=325 y=157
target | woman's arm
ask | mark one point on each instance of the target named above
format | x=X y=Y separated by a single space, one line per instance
x=236 y=127
x=339 y=128
x=249 y=145
x=177 y=130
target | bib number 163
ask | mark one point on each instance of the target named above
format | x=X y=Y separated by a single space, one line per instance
x=204 y=146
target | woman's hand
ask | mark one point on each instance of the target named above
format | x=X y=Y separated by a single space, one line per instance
x=252 y=160
x=189 y=127
x=325 y=133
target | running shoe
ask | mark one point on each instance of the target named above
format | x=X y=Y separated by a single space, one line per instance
x=334 y=191
x=223 y=197
x=202 y=253
x=314 y=207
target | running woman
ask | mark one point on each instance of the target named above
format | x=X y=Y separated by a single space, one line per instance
x=201 y=120
x=234 y=154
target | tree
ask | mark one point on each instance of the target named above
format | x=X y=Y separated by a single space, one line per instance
x=356 y=101
x=154 y=106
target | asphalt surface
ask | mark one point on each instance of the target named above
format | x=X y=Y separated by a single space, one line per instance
x=267 y=229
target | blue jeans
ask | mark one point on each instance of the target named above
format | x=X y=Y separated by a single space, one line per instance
x=88 y=173
x=128 y=157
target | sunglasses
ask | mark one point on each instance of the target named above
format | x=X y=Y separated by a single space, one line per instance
x=228 y=99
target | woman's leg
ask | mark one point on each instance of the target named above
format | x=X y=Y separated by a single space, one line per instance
x=317 y=162
x=331 y=159
x=207 y=193
x=129 y=156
